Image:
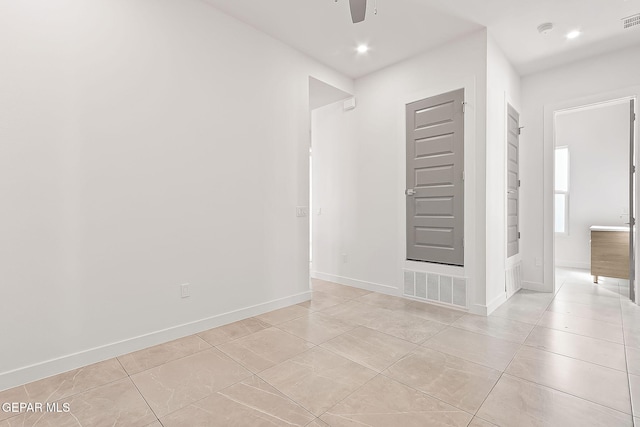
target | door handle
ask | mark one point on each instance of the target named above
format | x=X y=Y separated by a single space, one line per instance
x=410 y=192
x=511 y=192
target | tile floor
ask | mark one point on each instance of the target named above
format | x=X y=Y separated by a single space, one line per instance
x=350 y=357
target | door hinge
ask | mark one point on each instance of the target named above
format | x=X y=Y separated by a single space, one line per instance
x=518 y=234
x=463 y=175
x=520 y=130
x=633 y=169
x=519 y=183
x=464 y=106
x=463 y=243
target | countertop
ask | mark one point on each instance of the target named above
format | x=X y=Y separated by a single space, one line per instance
x=609 y=228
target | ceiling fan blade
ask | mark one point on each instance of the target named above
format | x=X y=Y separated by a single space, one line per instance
x=358 y=10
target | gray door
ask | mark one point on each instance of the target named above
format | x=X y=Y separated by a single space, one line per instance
x=632 y=220
x=435 y=187
x=513 y=181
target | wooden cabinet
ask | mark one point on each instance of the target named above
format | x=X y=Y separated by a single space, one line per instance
x=609 y=252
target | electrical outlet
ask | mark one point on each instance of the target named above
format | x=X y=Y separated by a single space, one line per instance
x=184 y=290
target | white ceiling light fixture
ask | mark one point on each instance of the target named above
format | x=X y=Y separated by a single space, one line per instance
x=573 y=34
x=362 y=49
x=545 y=28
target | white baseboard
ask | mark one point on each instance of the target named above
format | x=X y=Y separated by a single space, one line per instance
x=369 y=286
x=485 y=310
x=437 y=304
x=496 y=302
x=574 y=264
x=515 y=291
x=478 y=309
x=534 y=286
x=66 y=363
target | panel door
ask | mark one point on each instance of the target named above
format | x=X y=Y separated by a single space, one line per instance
x=435 y=186
x=513 y=182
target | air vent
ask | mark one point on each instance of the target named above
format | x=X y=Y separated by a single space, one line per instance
x=631 y=21
x=434 y=287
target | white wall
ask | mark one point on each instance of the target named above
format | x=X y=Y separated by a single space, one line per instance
x=334 y=185
x=144 y=144
x=598 y=141
x=367 y=170
x=612 y=74
x=503 y=86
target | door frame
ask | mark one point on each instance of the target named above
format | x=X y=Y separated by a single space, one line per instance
x=550 y=111
x=475 y=296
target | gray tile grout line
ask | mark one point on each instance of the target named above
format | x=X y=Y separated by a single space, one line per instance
x=514 y=356
x=200 y=351
x=381 y=373
x=257 y=373
x=96 y=387
x=502 y=373
x=128 y=376
x=575 y=358
x=139 y=392
x=79 y=392
x=253 y=374
x=582 y=335
x=626 y=360
x=164 y=363
x=420 y=391
x=377 y=373
x=552 y=388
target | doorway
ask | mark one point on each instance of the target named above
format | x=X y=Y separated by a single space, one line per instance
x=593 y=202
x=321 y=96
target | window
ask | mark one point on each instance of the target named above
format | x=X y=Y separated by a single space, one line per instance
x=562 y=190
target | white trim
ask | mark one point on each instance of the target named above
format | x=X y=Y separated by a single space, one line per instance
x=361 y=284
x=437 y=303
x=429 y=267
x=573 y=264
x=534 y=286
x=66 y=363
x=564 y=233
x=496 y=302
x=479 y=310
x=469 y=270
x=550 y=110
x=485 y=310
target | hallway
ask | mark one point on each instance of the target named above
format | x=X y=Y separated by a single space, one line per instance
x=351 y=357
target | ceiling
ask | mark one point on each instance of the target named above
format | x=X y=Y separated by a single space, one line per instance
x=323 y=29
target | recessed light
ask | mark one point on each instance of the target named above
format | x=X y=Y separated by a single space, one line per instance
x=573 y=34
x=363 y=48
